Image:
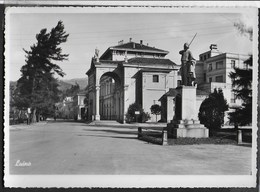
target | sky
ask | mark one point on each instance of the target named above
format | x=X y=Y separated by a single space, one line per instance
x=88 y=30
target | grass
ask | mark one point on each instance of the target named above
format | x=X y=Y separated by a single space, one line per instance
x=226 y=137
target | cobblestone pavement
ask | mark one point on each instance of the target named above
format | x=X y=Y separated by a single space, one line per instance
x=77 y=148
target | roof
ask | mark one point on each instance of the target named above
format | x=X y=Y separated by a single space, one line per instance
x=103 y=61
x=201 y=92
x=249 y=61
x=172 y=92
x=138 y=46
x=149 y=61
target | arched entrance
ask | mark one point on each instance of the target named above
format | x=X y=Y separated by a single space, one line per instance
x=105 y=91
x=110 y=106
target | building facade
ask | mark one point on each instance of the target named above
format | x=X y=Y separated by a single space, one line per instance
x=128 y=73
x=212 y=72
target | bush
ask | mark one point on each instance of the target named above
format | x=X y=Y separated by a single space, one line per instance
x=212 y=111
x=131 y=116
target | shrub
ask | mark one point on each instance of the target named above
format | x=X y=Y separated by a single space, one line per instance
x=131 y=116
x=212 y=111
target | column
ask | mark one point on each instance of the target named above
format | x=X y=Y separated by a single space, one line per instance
x=97 y=115
x=124 y=100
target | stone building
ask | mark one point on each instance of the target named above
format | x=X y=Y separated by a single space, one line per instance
x=80 y=107
x=213 y=69
x=128 y=73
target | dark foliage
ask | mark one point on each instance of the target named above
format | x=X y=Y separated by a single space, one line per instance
x=37 y=88
x=132 y=117
x=212 y=111
x=242 y=83
x=156 y=110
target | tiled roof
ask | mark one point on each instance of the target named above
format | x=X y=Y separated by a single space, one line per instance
x=133 y=45
x=149 y=61
x=172 y=92
x=109 y=61
x=201 y=92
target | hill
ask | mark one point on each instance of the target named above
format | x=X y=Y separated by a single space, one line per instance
x=82 y=82
x=65 y=84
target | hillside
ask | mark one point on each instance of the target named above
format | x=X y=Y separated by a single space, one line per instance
x=83 y=82
x=65 y=84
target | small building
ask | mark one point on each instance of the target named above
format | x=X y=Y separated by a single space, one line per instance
x=80 y=108
x=66 y=110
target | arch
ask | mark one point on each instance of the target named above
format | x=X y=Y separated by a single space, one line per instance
x=113 y=75
x=110 y=98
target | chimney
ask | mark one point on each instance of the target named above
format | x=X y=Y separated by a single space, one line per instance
x=130 y=39
x=121 y=42
x=141 y=42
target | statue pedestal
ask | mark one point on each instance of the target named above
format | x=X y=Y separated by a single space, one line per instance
x=186 y=123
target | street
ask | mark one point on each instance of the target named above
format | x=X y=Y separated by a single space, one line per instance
x=59 y=147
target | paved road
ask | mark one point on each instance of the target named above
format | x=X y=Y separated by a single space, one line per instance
x=76 y=148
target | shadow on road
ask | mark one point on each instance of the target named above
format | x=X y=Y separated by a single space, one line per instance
x=116 y=137
x=112 y=131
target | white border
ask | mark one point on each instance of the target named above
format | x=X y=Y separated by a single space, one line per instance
x=129 y=180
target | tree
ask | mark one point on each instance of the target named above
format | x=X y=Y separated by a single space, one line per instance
x=37 y=88
x=156 y=110
x=242 y=83
x=212 y=111
x=131 y=116
x=73 y=90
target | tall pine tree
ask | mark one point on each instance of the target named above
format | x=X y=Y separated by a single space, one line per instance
x=37 y=88
x=242 y=83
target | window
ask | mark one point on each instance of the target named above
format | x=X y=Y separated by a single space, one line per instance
x=233 y=63
x=208 y=55
x=201 y=58
x=204 y=77
x=219 y=79
x=155 y=78
x=210 y=67
x=219 y=65
x=210 y=79
x=205 y=57
x=178 y=83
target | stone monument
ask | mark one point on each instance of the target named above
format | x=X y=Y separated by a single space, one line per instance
x=96 y=56
x=185 y=122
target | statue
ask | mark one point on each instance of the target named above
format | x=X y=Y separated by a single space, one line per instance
x=96 y=53
x=187 y=66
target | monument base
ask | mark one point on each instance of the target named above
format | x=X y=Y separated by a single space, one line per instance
x=187 y=128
